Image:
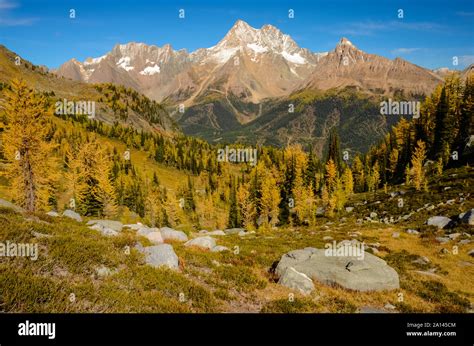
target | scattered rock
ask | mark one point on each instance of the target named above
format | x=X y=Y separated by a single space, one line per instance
x=349 y=209
x=6 y=204
x=154 y=237
x=219 y=248
x=40 y=235
x=389 y=306
x=427 y=273
x=442 y=240
x=393 y=194
x=109 y=232
x=439 y=221
x=395 y=235
x=52 y=213
x=143 y=231
x=296 y=280
x=233 y=230
x=450 y=201
x=373 y=215
x=421 y=260
x=205 y=242
x=115 y=225
x=72 y=215
x=134 y=226
x=171 y=234
x=465 y=241
x=431 y=207
x=412 y=231
x=454 y=236
x=368 y=274
x=471 y=253
x=327 y=238
x=447 y=188
x=320 y=211
x=104 y=271
x=244 y=233
x=161 y=255
x=468 y=217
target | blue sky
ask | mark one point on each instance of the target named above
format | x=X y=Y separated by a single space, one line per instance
x=430 y=34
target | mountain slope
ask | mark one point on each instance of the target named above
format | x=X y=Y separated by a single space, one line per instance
x=112 y=104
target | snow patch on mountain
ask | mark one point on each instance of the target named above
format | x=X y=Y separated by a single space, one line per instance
x=257 y=48
x=124 y=63
x=294 y=58
x=150 y=70
x=93 y=61
x=222 y=55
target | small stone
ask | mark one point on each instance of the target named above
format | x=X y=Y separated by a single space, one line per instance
x=439 y=221
x=205 y=242
x=219 y=248
x=395 y=235
x=72 y=215
x=454 y=236
x=442 y=240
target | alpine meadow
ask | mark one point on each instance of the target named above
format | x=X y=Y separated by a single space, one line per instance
x=238 y=172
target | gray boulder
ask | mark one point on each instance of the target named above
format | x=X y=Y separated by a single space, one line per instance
x=171 y=234
x=134 y=226
x=234 y=230
x=104 y=230
x=115 y=225
x=154 y=237
x=160 y=255
x=442 y=240
x=368 y=274
x=6 y=204
x=296 y=280
x=72 y=215
x=143 y=231
x=468 y=217
x=219 y=248
x=439 y=221
x=202 y=242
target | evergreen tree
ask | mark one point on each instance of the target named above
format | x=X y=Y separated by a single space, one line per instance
x=31 y=167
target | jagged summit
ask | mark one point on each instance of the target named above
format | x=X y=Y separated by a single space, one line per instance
x=251 y=63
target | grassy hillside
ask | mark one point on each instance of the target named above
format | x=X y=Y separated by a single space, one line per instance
x=72 y=261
